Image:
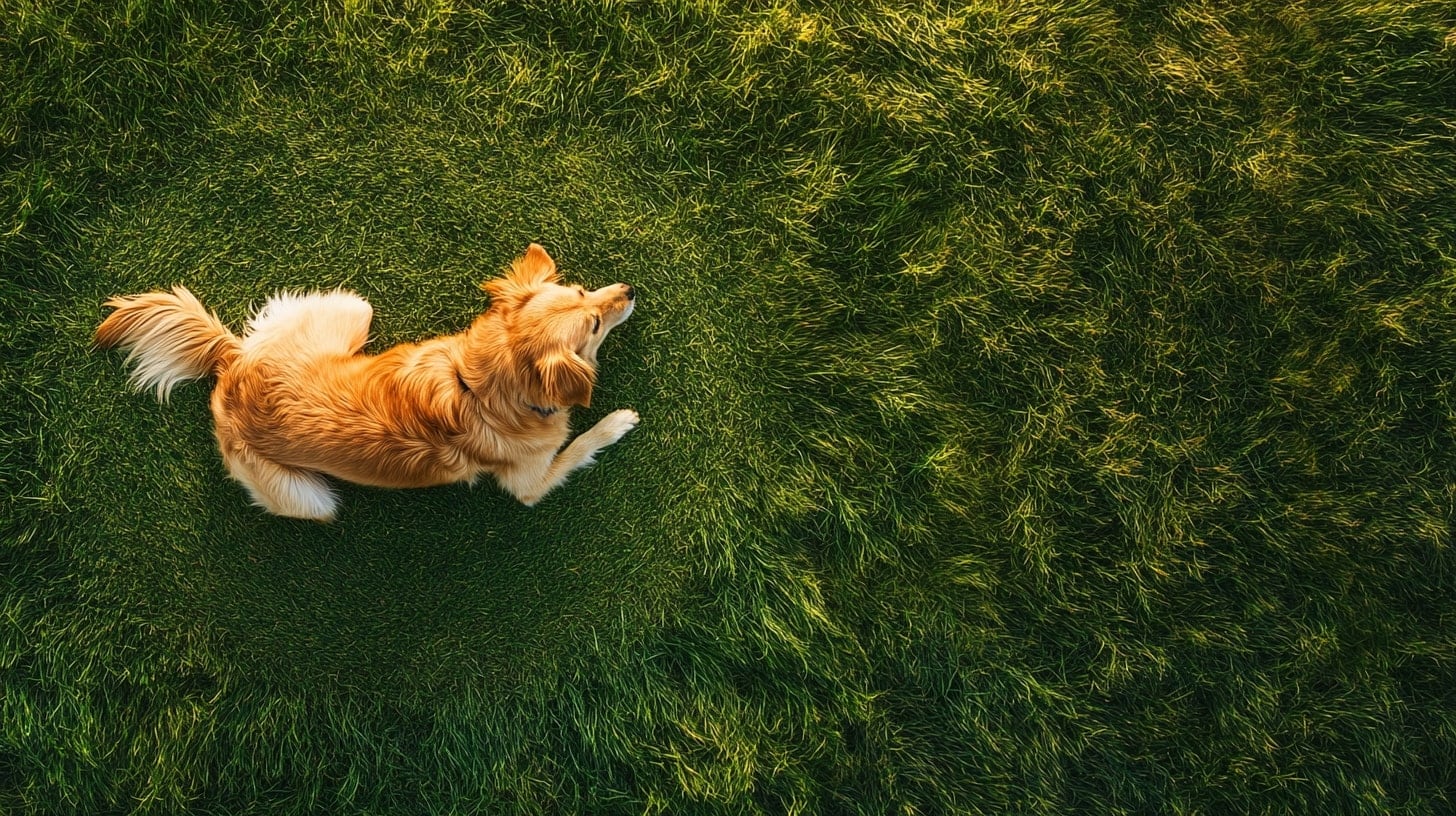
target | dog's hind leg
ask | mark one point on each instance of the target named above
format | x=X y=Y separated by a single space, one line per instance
x=282 y=491
x=321 y=322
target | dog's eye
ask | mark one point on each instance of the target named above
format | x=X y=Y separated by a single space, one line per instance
x=596 y=323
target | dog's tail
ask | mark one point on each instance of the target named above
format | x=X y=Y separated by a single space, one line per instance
x=171 y=338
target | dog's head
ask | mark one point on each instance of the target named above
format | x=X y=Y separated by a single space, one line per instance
x=554 y=329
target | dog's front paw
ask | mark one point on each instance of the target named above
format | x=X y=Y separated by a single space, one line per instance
x=615 y=425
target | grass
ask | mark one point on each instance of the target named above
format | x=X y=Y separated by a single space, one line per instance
x=1047 y=407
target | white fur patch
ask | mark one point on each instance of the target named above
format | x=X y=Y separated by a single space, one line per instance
x=283 y=491
x=336 y=322
x=158 y=364
x=294 y=494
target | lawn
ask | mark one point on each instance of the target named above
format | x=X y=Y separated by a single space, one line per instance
x=1047 y=407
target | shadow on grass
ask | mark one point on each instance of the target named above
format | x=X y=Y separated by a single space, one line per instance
x=425 y=590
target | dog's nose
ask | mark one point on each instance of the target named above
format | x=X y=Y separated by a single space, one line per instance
x=631 y=293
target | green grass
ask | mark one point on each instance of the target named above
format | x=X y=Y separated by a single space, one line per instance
x=1048 y=407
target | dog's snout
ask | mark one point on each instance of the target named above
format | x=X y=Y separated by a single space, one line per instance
x=631 y=292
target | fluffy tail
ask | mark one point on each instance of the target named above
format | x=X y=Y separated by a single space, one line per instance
x=171 y=338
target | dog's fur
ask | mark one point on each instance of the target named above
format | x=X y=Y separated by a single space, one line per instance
x=295 y=399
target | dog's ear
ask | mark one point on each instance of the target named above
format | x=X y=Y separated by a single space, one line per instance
x=531 y=269
x=534 y=267
x=566 y=379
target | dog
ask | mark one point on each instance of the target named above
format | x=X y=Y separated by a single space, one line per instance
x=296 y=401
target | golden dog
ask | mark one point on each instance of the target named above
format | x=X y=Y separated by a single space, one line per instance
x=295 y=399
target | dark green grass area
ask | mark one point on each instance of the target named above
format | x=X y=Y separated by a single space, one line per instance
x=1047 y=407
